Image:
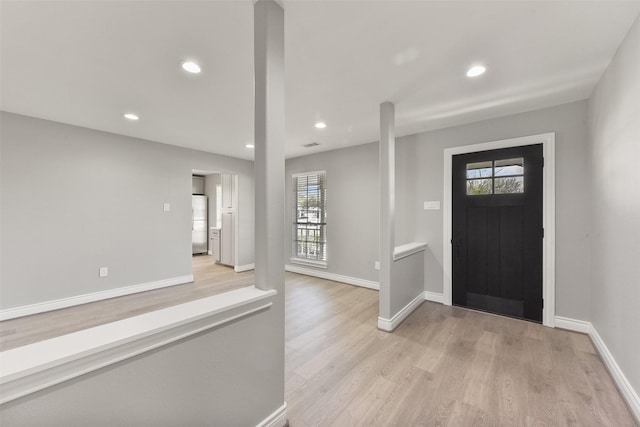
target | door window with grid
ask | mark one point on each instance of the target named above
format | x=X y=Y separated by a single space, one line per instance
x=309 y=213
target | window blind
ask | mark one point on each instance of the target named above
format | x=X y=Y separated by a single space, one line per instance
x=309 y=213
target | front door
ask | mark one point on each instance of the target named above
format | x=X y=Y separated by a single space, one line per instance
x=497 y=231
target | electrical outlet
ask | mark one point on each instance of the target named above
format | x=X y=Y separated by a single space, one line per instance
x=166 y=207
x=104 y=271
x=376 y=265
x=432 y=206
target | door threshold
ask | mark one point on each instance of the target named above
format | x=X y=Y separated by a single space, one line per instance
x=477 y=310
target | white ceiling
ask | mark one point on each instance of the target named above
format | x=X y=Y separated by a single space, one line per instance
x=87 y=63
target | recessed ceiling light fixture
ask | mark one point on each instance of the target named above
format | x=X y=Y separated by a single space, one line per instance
x=249 y=145
x=131 y=116
x=476 y=70
x=191 y=67
x=320 y=125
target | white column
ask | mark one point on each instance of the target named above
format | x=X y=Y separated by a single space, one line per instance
x=269 y=145
x=387 y=204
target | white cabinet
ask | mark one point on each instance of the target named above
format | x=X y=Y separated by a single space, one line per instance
x=227 y=239
x=229 y=184
x=215 y=243
x=229 y=188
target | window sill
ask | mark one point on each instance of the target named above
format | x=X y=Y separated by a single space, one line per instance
x=308 y=263
x=37 y=366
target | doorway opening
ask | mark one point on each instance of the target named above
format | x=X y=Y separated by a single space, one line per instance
x=214 y=217
x=497 y=231
x=492 y=210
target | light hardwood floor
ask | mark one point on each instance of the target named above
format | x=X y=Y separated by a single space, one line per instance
x=443 y=366
x=209 y=279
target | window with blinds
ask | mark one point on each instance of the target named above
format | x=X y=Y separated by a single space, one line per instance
x=310 y=214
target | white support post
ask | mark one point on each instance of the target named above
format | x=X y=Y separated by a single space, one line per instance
x=269 y=145
x=268 y=36
x=387 y=204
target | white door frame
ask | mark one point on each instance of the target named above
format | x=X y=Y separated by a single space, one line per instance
x=548 y=216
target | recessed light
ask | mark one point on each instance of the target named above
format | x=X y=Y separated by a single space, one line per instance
x=191 y=67
x=476 y=70
x=131 y=116
x=249 y=145
x=320 y=125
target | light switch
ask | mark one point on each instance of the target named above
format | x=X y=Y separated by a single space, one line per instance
x=167 y=207
x=432 y=205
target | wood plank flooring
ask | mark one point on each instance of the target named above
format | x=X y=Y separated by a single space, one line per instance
x=443 y=366
x=209 y=279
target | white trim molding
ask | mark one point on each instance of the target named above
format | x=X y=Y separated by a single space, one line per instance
x=408 y=249
x=277 y=419
x=433 y=297
x=628 y=393
x=244 y=267
x=548 y=215
x=299 y=174
x=370 y=284
x=308 y=262
x=573 y=325
x=37 y=366
x=388 y=325
x=27 y=310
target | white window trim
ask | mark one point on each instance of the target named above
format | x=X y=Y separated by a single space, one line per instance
x=304 y=261
x=308 y=262
x=548 y=216
x=298 y=175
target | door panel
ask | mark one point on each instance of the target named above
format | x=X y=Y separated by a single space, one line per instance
x=511 y=266
x=477 y=250
x=199 y=237
x=497 y=231
x=493 y=252
x=199 y=208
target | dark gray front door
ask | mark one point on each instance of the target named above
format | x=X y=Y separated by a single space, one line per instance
x=497 y=231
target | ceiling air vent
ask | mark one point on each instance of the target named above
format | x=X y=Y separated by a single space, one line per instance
x=311 y=144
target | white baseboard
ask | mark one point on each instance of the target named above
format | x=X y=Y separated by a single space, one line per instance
x=27 y=310
x=245 y=267
x=277 y=419
x=433 y=297
x=620 y=379
x=627 y=391
x=573 y=325
x=331 y=276
x=385 y=324
x=389 y=325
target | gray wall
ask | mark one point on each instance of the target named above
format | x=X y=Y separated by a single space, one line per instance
x=419 y=163
x=419 y=177
x=231 y=376
x=614 y=149
x=407 y=283
x=352 y=208
x=76 y=199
